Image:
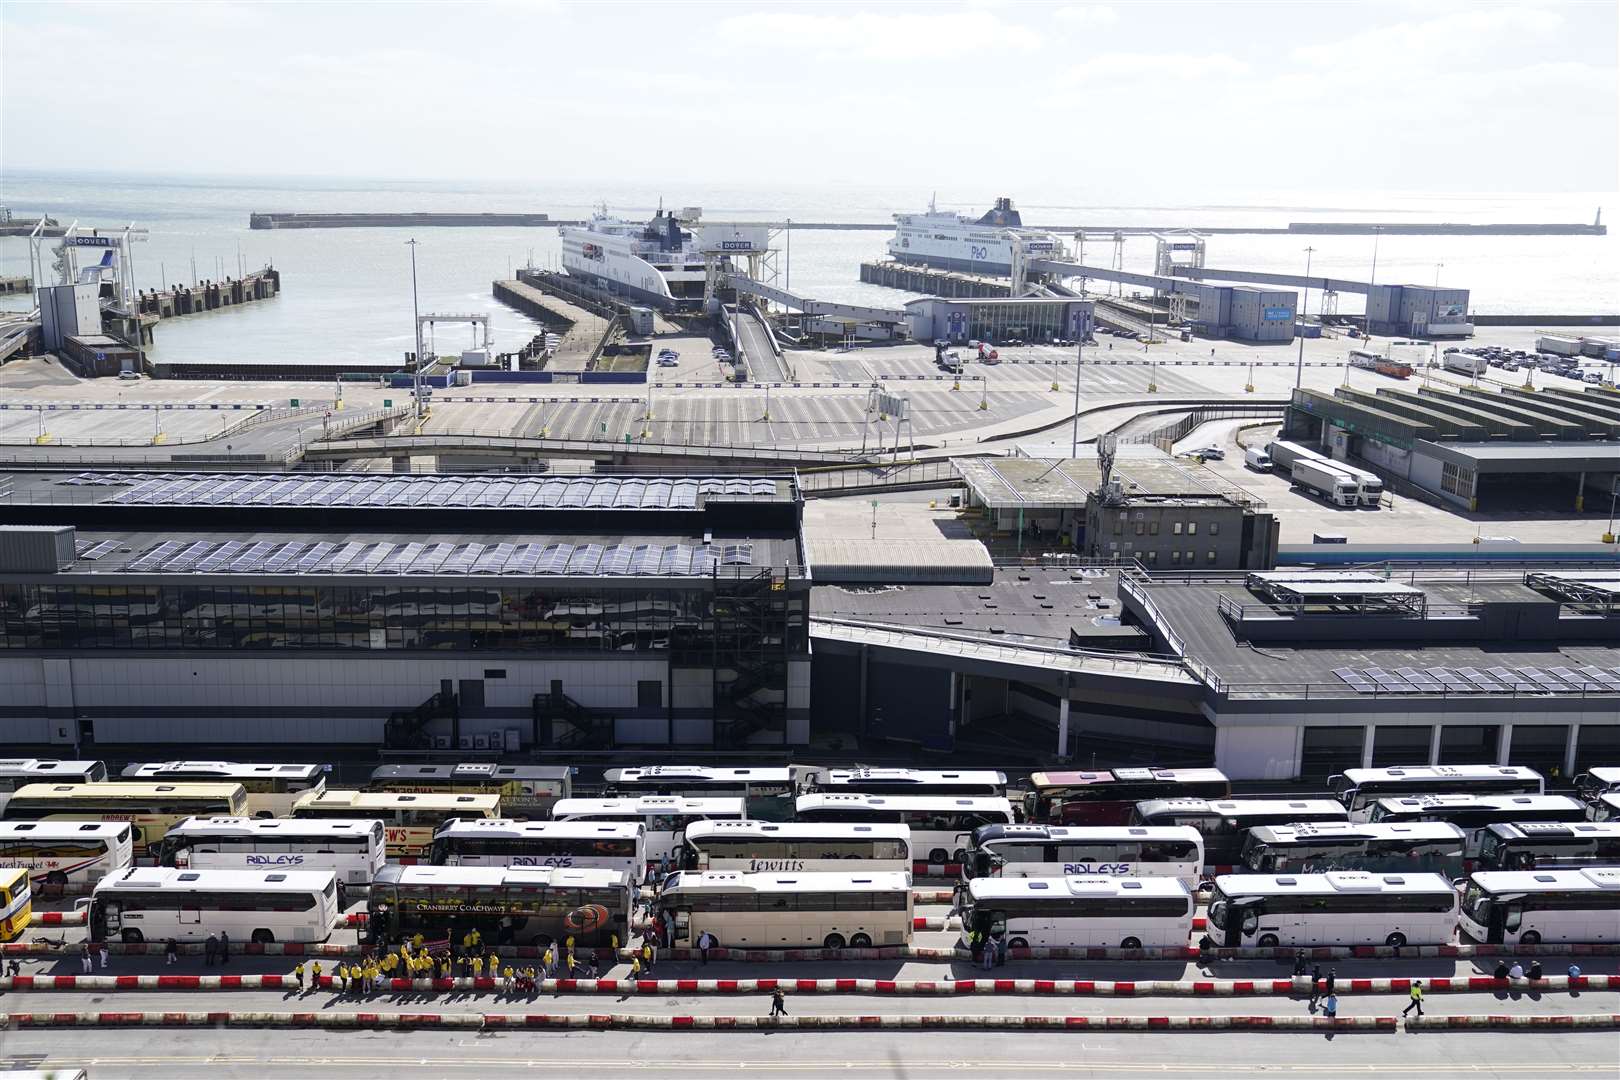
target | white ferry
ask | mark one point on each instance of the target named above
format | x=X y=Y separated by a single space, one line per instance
x=951 y=241
x=659 y=262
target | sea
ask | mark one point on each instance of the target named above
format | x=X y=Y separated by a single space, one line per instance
x=347 y=294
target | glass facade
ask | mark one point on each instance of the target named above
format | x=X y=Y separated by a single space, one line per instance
x=398 y=615
x=1003 y=322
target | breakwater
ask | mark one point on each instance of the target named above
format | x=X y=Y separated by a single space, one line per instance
x=1294 y=228
x=397 y=221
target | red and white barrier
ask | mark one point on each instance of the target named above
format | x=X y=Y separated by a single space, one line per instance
x=1577 y=1021
x=603 y=1021
x=59 y=918
x=893 y=987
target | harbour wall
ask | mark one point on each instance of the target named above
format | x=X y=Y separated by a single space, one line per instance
x=1295 y=228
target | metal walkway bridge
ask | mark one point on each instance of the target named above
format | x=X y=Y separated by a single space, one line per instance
x=825 y=308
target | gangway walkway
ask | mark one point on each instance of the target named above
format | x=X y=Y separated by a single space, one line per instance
x=744 y=284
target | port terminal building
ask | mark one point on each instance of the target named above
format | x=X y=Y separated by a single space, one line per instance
x=1161 y=514
x=445 y=612
x=558 y=615
x=1501 y=449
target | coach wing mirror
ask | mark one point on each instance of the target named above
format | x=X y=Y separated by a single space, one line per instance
x=1251 y=921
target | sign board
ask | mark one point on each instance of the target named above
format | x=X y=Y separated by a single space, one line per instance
x=892 y=405
x=1274 y=314
x=90 y=241
x=388 y=403
x=736 y=245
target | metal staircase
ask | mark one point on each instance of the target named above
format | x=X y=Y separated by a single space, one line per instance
x=406 y=729
x=751 y=654
x=586 y=728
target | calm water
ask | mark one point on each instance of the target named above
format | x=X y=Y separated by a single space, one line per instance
x=347 y=293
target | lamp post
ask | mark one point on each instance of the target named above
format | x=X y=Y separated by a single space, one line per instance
x=1079 y=360
x=1366 y=318
x=416 y=320
x=1437 y=267
x=1305 y=304
x=1614 y=495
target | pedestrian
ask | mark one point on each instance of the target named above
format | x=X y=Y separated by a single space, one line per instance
x=1001 y=949
x=987 y=956
x=86 y=963
x=1330 y=1007
x=103 y=956
x=315 y=975
x=1299 y=964
x=14 y=967
x=648 y=956
x=1416 y=995
x=1316 y=985
x=1501 y=971
x=548 y=961
x=706 y=941
x=635 y=967
x=778 y=1003
x=1516 y=972
x=298 y=976
x=171 y=952
x=224 y=947
x=1534 y=972
x=1332 y=977
x=1574 y=973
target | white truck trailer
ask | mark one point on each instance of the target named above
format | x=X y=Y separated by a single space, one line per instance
x=1558 y=346
x=1328 y=481
x=1463 y=363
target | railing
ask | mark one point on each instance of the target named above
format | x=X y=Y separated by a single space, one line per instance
x=1116 y=663
x=1236 y=609
x=523 y=442
x=1178 y=645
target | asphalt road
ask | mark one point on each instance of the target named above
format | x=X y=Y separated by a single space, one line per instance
x=191 y=1054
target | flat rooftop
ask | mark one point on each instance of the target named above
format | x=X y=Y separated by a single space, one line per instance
x=1013 y=483
x=1192 y=610
x=1049 y=604
x=1561 y=457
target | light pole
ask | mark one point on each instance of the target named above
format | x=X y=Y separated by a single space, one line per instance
x=1366 y=318
x=1614 y=494
x=1437 y=267
x=1079 y=361
x=416 y=320
x=1305 y=304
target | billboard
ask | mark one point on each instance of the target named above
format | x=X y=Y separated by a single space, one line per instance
x=1276 y=314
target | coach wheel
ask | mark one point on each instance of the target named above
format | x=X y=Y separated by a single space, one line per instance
x=860 y=941
x=833 y=941
x=959 y=855
x=541 y=940
x=1395 y=941
x=131 y=937
x=1269 y=941
x=939 y=855
x=56 y=878
x=263 y=937
x=1530 y=937
x=1131 y=943
x=1018 y=943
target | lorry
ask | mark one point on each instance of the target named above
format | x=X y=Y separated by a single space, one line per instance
x=1463 y=363
x=1369 y=486
x=1338 y=488
x=1558 y=346
x=1257 y=459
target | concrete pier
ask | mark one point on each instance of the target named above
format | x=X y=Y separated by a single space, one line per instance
x=922 y=279
x=211 y=295
x=10 y=285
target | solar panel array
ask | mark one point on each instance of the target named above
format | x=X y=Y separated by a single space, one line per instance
x=302 y=557
x=1494 y=680
x=431 y=492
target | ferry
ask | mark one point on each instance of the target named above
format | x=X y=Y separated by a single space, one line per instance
x=658 y=262
x=951 y=241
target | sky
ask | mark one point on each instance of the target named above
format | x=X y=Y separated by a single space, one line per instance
x=1188 y=101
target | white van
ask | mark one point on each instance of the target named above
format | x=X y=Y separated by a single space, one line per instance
x=1257 y=459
